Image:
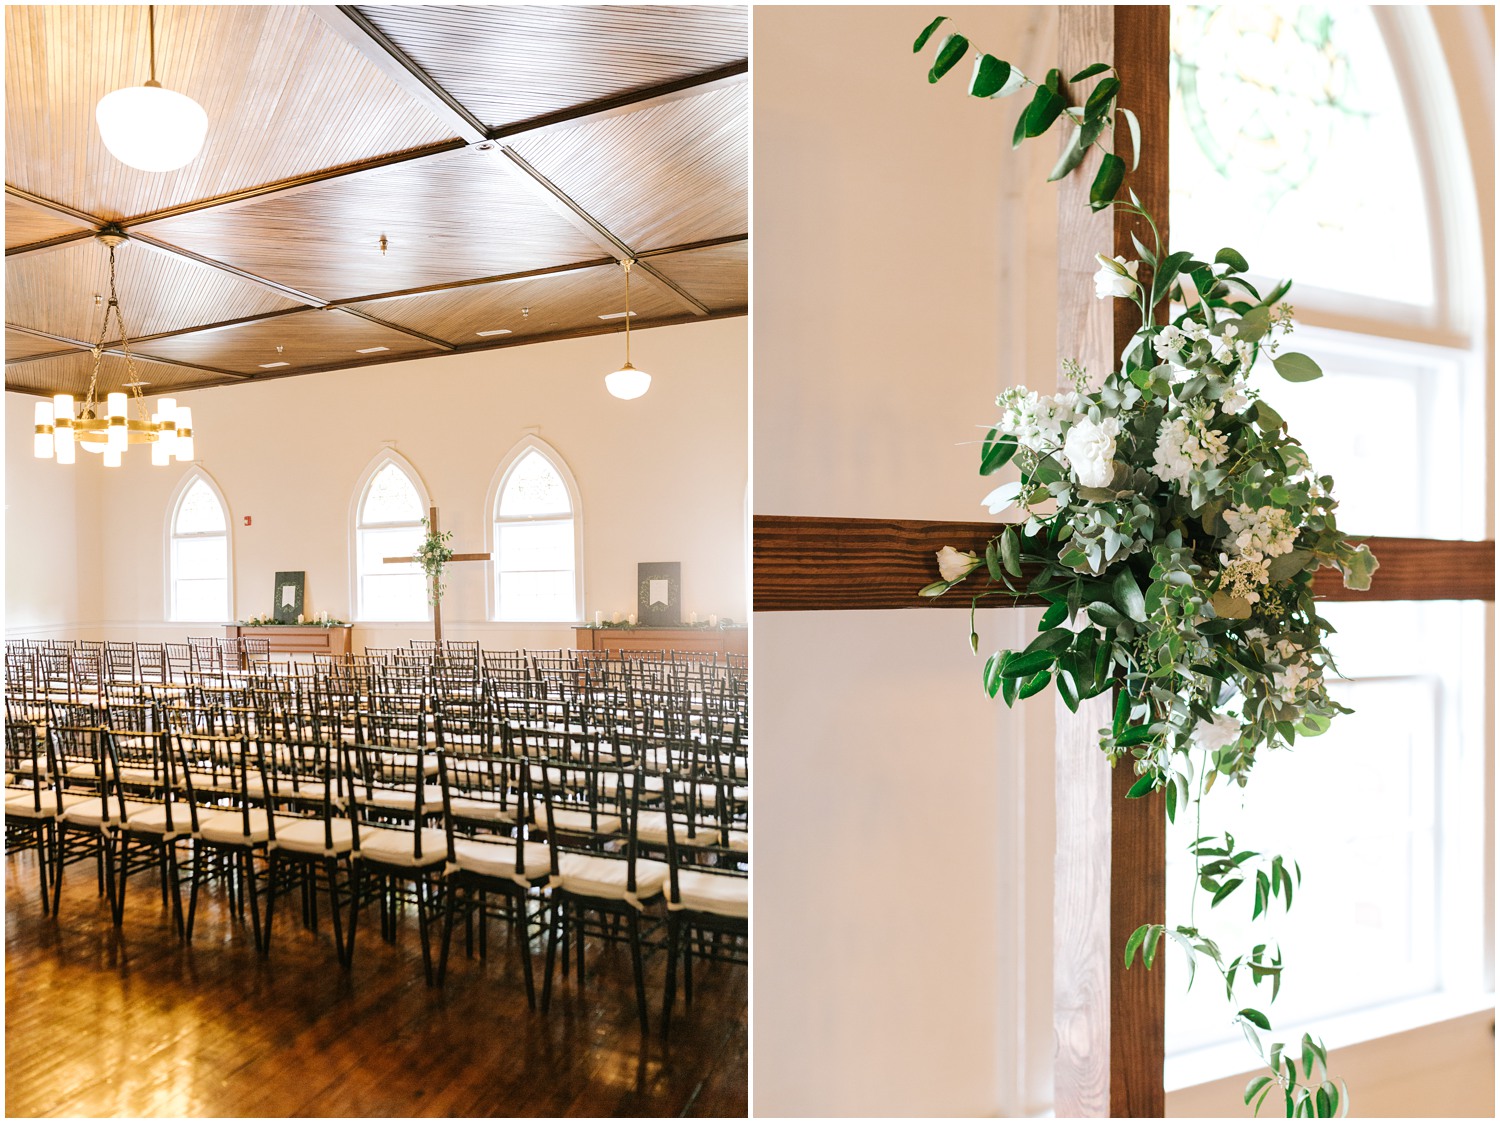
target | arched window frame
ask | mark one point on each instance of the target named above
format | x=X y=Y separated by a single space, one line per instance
x=356 y=508
x=501 y=478
x=170 y=535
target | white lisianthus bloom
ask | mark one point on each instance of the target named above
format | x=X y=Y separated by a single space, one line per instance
x=1211 y=736
x=955 y=565
x=1169 y=343
x=1090 y=449
x=1116 y=277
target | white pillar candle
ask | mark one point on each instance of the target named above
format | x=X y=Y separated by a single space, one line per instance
x=598 y=618
x=632 y=619
x=713 y=621
x=616 y=618
x=692 y=617
x=299 y=617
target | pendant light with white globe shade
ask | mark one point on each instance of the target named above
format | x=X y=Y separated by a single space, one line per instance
x=148 y=127
x=627 y=382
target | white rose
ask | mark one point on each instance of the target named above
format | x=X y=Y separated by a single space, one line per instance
x=1211 y=736
x=1090 y=449
x=955 y=565
x=1115 y=277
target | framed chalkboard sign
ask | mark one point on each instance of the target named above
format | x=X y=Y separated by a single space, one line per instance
x=659 y=595
x=288 y=602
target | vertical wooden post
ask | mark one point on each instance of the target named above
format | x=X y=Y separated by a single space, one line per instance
x=1111 y=855
x=435 y=601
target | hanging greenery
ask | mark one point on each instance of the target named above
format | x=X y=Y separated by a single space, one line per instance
x=1173 y=526
x=433 y=555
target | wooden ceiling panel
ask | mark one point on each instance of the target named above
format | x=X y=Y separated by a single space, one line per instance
x=664 y=175
x=535 y=306
x=284 y=96
x=25 y=224
x=507 y=64
x=19 y=345
x=446 y=218
x=69 y=374
x=719 y=276
x=320 y=338
x=54 y=291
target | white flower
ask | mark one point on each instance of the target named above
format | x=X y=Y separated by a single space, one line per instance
x=1194 y=330
x=1169 y=342
x=1182 y=447
x=1090 y=449
x=1115 y=277
x=1211 y=736
x=1234 y=400
x=1242 y=349
x=1256 y=532
x=955 y=565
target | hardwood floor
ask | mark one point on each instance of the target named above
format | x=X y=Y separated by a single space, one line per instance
x=132 y=1023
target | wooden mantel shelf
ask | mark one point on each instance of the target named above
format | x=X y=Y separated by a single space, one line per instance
x=817 y=564
x=295 y=639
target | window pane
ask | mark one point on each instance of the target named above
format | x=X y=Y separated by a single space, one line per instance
x=391 y=498
x=1359 y=808
x=533 y=546
x=396 y=596
x=201 y=558
x=1278 y=113
x=199 y=512
x=534 y=488
x=201 y=600
x=537 y=596
x=394 y=591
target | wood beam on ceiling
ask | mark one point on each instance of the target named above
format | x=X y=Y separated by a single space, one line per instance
x=56 y=209
x=413 y=332
x=48 y=244
x=734 y=73
x=689 y=247
x=444 y=286
x=352 y=26
x=560 y=201
x=80 y=345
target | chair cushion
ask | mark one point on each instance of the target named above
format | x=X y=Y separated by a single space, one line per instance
x=306 y=836
x=87 y=812
x=651 y=826
x=153 y=820
x=577 y=822
x=394 y=848
x=482 y=809
x=595 y=875
x=720 y=894
x=229 y=827
x=498 y=859
x=23 y=805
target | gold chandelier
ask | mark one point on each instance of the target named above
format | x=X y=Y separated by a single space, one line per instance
x=108 y=427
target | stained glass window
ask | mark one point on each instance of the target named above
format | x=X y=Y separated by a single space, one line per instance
x=1290 y=143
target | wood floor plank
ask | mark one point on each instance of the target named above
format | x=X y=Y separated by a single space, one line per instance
x=100 y=1023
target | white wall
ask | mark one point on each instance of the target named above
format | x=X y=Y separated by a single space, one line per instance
x=894 y=802
x=662 y=478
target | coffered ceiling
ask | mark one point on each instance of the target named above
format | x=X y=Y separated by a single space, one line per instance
x=510 y=157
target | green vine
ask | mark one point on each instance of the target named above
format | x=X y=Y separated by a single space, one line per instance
x=1173 y=527
x=432 y=555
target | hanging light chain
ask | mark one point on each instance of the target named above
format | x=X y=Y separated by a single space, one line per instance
x=151 y=25
x=627 y=263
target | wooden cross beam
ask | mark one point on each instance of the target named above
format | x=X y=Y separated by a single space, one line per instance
x=437 y=611
x=1111 y=859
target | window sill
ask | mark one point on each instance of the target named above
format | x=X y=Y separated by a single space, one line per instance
x=1202 y=1066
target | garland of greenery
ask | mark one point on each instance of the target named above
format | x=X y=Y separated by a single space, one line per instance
x=432 y=555
x=1173 y=527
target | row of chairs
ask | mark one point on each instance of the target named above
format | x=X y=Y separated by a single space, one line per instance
x=376 y=777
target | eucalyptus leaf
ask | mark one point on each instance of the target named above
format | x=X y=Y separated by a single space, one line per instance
x=1090 y=71
x=990 y=76
x=953 y=49
x=1296 y=367
x=1135 y=137
x=927 y=34
x=1106 y=181
x=1232 y=258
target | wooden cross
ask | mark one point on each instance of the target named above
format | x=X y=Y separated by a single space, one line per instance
x=1111 y=855
x=437 y=611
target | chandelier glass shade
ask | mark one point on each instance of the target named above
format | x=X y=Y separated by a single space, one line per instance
x=627 y=382
x=107 y=427
x=148 y=127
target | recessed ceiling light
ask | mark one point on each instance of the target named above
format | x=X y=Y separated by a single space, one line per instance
x=269 y=366
x=616 y=315
x=494 y=331
x=370 y=350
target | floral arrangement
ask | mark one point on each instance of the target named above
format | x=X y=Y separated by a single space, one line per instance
x=432 y=555
x=1173 y=526
x=266 y=620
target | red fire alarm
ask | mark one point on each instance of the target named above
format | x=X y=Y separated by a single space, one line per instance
x=247 y=520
